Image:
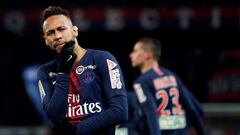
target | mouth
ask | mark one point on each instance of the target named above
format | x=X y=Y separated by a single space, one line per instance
x=59 y=46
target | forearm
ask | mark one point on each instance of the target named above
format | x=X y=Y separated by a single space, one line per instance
x=56 y=107
x=199 y=126
x=152 y=119
x=196 y=119
x=115 y=114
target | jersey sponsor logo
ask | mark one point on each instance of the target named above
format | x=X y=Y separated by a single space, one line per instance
x=88 y=76
x=140 y=94
x=121 y=131
x=111 y=64
x=41 y=90
x=77 y=110
x=52 y=74
x=70 y=57
x=114 y=75
x=53 y=82
x=172 y=122
x=53 y=77
x=80 y=69
x=86 y=72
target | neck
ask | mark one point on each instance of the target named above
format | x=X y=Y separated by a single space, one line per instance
x=148 y=65
x=79 y=51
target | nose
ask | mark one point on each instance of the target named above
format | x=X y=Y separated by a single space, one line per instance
x=57 y=35
x=130 y=55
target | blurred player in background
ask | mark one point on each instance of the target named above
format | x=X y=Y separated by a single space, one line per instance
x=167 y=105
x=82 y=90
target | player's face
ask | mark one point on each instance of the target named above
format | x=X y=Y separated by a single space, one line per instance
x=57 y=30
x=138 y=55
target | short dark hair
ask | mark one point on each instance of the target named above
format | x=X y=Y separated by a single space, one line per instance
x=153 y=45
x=54 y=10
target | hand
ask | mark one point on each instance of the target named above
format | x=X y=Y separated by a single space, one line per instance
x=66 y=58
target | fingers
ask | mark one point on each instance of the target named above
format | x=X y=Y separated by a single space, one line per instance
x=68 y=46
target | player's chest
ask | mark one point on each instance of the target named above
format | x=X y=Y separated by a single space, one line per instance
x=84 y=74
x=80 y=76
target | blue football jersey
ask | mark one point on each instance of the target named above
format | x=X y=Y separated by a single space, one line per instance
x=168 y=106
x=92 y=98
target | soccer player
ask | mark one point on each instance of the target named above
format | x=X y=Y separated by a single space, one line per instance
x=82 y=90
x=166 y=103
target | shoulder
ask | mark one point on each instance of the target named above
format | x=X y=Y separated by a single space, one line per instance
x=47 y=67
x=143 y=78
x=167 y=71
x=100 y=53
x=103 y=57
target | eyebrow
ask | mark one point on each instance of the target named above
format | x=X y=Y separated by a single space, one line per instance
x=49 y=31
x=52 y=30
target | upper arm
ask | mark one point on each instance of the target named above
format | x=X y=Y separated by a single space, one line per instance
x=111 y=75
x=148 y=105
x=144 y=96
x=141 y=95
x=44 y=84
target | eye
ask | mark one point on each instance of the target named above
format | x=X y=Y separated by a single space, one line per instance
x=49 y=33
x=61 y=28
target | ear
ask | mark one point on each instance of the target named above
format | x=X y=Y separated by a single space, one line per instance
x=44 y=39
x=46 y=42
x=149 y=55
x=75 y=31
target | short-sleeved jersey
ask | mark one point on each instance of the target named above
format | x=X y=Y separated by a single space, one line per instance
x=166 y=103
x=90 y=98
